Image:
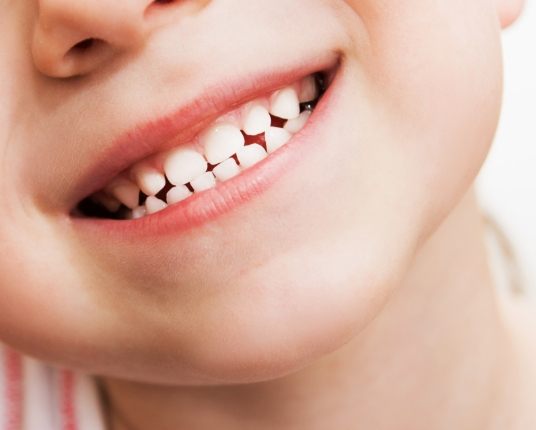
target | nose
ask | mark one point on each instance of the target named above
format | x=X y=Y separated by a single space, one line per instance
x=74 y=37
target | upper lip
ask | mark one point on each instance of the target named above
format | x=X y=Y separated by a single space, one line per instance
x=182 y=124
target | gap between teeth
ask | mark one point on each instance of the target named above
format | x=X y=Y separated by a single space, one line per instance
x=233 y=143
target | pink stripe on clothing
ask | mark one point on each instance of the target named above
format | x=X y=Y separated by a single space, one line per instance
x=13 y=389
x=67 y=382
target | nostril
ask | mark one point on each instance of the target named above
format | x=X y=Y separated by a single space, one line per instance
x=83 y=45
x=163 y=1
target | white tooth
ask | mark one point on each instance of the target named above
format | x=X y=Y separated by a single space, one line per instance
x=125 y=191
x=109 y=202
x=256 y=119
x=285 y=103
x=203 y=182
x=275 y=138
x=182 y=165
x=226 y=170
x=296 y=124
x=150 y=180
x=250 y=155
x=138 y=212
x=222 y=141
x=177 y=194
x=308 y=89
x=154 y=204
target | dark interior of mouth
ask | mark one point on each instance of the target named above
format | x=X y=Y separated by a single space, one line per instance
x=88 y=208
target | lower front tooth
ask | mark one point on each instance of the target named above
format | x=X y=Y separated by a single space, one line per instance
x=296 y=124
x=154 y=204
x=177 y=194
x=150 y=180
x=250 y=155
x=138 y=212
x=203 y=182
x=275 y=138
x=226 y=170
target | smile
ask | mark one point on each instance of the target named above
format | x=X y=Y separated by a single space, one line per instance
x=229 y=146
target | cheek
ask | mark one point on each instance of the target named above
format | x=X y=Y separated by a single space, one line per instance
x=435 y=79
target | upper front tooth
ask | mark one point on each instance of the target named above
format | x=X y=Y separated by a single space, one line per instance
x=308 y=89
x=296 y=124
x=183 y=165
x=222 y=141
x=275 y=138
x=285 y=103
x=250 y=155
x=149 y=179
x=125 y=191
x=256 y=120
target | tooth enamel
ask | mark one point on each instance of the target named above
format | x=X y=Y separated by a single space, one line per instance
x=150 y=180
x=182 y=165
x=250 y=155
x=138 y=212
x=154 y=204
x=222 y=141
x=226 y=170
x=177 y=194
x=203 y=182
x=285 y=103
x=125 y=191
x=308 y=89
x=296 y=124
x=256 y=120
x=275 y=138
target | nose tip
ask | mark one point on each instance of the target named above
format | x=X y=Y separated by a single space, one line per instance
x=74 y=37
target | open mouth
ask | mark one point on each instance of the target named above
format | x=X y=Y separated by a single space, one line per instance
x=232 y=144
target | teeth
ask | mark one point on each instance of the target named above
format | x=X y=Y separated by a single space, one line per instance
x=285 y=103
x=182 y=165
x=226 y=170
x=296 y=124
x=275 y=138
x=256 y=120
x=308 y=89
x=177 y=194
x=153 y=205
x=217 y=155
x=125 y=191
x=203 y=182
x=250 y=155
x=221 y=142
x=138 y=212
x=150 y=180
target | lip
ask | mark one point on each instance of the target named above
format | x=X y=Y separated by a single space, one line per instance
x=181 y=126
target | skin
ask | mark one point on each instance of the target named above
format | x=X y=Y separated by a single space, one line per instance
x=371 y=292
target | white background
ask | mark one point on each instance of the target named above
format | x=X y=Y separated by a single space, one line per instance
x=507 y=183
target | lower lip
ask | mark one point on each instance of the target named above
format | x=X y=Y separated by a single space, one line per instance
x=209 y=205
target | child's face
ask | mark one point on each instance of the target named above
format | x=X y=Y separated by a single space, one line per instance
x=209 y=290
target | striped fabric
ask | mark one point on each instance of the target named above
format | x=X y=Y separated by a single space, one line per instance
x=36 y=396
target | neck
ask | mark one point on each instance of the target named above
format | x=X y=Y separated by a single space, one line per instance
x=432 y=359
